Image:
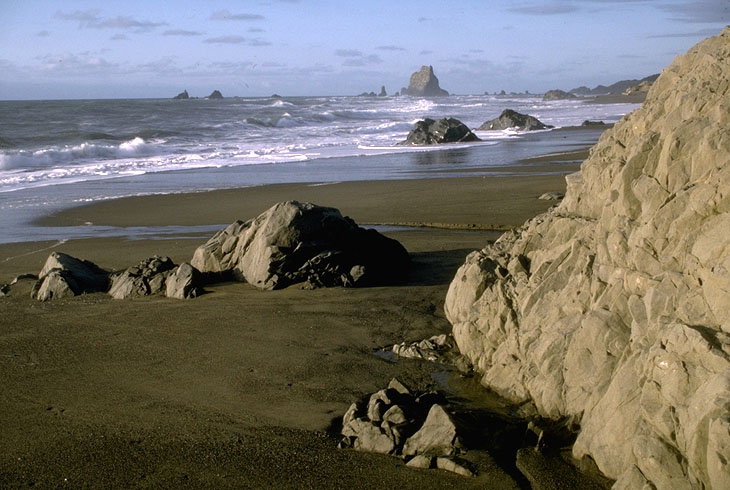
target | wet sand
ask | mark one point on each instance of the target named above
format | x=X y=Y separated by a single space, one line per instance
x=238 y=388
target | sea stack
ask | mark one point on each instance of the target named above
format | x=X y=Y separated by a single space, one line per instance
x=182 y=95
x=611 y=312
x=215 y=95
x=424 y=84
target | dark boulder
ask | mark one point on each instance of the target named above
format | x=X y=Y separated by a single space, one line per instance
x=512 y=119
x=424 y=83
x=215 y=95
x=447 y=130
x=295 y=242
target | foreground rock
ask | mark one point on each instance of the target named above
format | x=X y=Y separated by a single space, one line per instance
x=510 y=119
x=157 y=275
x=612 y=310
x=63 y=276
x=446 y=130
x=424 y=83
x=295 y=242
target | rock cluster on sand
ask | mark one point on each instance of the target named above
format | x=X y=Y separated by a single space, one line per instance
x=558 y=95
x=295 y=242
x=510 y=119
x=64 y=275
x=446 y=130
x=424 y=83
x=416 y=427
x=612 y=310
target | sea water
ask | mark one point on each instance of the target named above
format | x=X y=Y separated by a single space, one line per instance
x=56 y=154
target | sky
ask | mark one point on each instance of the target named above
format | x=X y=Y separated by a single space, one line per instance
x=138 y=49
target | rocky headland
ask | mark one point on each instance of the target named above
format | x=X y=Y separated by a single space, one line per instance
x=610 y=313
x=424 y=83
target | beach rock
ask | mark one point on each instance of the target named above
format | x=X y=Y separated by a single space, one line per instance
x=295 y=242
x=184 y=282
x=552 y=196
x=437 y=435
x=420 y=461
x=4 y=289
x=612 y=309
x=63 y=275
x=510 y=119
x=558 y=95
x=182 y=95
x=454 y=465
x=424 y=83
x=446 y=130
x=215 y=95
x=146 y=278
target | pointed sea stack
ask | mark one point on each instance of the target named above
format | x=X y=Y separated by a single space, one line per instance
x=182 y=95
x=424 y=84
x=215 y=95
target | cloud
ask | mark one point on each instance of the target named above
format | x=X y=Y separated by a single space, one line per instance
x=119 y=37
x=699 y=11
x=355 y=57
x=423 y=19
x=391 y=47
x=348 y=53
x=181 y=32
x=91 y=19
x=702 y=33
x=226 y=15
x=425 y=52
x=545 y=8
x=233 y=39
x=43 y=34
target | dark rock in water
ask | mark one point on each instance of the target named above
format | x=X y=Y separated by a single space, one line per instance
x=182 y=95
x=295 y=242
x=367 y=94
x=447 y=130
x=558 y=95
x=424 y=83
x=276 y=96
x=146 y=278
x=215 y=95
x=587 y=123
x=502 y=92
x=511 y=119
x=63 y=275
x=383 y=93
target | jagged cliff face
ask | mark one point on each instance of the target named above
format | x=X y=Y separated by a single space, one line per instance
x=613 y=309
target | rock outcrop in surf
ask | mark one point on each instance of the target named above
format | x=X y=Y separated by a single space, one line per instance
x=611 y=311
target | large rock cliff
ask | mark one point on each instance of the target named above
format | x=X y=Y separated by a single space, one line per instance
x=612 y=311
x=424 y=83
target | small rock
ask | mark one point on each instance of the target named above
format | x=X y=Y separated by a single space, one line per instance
x=420 y=461
x=552 y=196
x=395 y=384
x=4 y=289
x=453 y=465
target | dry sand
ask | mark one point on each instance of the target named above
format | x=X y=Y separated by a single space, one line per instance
x=239 y=387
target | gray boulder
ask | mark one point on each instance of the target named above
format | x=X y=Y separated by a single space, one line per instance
x=558 y=95
x=424 y=83
x=612 y=310
x=184 y=282
x=63 y=275
x=511 y=119
x=437 y=435
x=146 y=278
x=446 y=130
x=295 y=242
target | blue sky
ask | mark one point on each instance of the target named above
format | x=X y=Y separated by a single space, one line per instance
x=91 y=49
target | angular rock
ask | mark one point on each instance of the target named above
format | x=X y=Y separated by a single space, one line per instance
x=63 y=275
x=611 y=310
x=4 y=289
x=446 y=130
x=438 y=435
x=184 y=282
x=552 y=196
x=420 y=461
x=296 y=242
x=383 y=92
x=215 y=95
x=558 y=95
x=369 y=437
x=146 y=278
x=424 y=83
x=510 y=119
x=453 y=465
x=182 y=95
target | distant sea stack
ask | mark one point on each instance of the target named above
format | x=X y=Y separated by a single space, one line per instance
x=182 y=95
x=610 y=313
x=215 y=95
x=558 y=95
x=424 y=84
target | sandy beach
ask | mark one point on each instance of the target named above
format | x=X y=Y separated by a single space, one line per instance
x=238 y=388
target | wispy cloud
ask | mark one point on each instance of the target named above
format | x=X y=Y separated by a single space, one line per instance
x=91 y=18
x=227 y=15
x=699 y=11
x=233 y=39
x=43 y=34
x=545 y=8
x=391 y=47
x=119 y=37
x=181 y=32
x=701 y=33
x=354 y=57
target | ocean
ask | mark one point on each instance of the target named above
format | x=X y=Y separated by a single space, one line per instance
x=57 y=154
